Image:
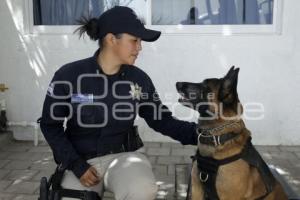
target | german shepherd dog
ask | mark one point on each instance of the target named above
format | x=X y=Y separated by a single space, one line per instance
x=226 y=165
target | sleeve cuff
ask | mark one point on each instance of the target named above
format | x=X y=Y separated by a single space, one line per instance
x=79 y=167
x=194 y=137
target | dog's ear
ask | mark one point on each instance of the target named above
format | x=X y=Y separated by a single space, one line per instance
x=228 y=89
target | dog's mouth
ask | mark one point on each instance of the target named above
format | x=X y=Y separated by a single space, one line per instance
x=183 y=98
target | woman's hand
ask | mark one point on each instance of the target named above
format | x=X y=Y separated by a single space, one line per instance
x=90 y=177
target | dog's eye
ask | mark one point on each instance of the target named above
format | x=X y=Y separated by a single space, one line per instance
x=192 y=95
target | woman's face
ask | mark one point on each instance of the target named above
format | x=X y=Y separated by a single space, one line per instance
x=127 y=48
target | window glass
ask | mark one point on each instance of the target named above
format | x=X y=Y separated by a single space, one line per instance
x=67 y=12
x=211 y=12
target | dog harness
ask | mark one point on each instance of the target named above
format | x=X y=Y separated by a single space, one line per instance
x=208 y=167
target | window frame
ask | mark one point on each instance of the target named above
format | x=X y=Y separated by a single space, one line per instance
x=259 y=29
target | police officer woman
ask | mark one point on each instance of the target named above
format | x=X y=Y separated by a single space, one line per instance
x=100 y=96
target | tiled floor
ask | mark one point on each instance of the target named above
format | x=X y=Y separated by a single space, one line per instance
x=22 y=165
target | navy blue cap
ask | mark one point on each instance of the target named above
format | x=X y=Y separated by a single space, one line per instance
x=120 y=19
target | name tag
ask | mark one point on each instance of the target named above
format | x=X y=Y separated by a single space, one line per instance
x=82 y=98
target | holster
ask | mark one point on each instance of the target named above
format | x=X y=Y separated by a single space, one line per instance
x=57 y=177
x=54 y=190
x=133 y=141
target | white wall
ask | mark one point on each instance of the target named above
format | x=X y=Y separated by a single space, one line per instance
x=270 y=72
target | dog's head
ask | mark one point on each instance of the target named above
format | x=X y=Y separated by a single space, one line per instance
x=212 y=97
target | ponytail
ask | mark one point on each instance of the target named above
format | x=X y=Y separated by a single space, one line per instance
x=88 y=26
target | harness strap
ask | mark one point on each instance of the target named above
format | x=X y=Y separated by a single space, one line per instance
x=208 y=169
x=253 y=158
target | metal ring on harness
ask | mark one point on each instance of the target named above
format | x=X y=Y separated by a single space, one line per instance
x=216 y=138
x=201 y=179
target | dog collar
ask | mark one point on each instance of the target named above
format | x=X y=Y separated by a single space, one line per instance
x=215 y=137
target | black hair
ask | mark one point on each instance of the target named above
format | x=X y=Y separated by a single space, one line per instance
x=88 y=26
x=91 y=28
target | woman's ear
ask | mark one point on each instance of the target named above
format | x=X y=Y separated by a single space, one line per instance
x=110 y=39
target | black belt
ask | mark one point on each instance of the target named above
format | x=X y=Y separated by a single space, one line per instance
x=127 y=141
x=107 y=149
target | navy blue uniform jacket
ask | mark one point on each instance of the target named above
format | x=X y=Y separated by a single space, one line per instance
x=99 y=107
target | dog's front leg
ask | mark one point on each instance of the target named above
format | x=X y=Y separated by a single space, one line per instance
x=197 y=191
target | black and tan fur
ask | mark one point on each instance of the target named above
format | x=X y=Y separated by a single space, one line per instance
x=236 y=180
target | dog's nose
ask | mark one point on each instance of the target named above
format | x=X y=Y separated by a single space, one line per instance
x=179 y=85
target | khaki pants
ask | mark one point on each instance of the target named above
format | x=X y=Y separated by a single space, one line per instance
x=128 y=175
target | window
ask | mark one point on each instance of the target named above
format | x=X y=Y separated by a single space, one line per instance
x=169 y=16
x=67 y=12
x=208 y=12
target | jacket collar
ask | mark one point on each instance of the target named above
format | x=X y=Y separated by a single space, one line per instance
x=97 y=68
